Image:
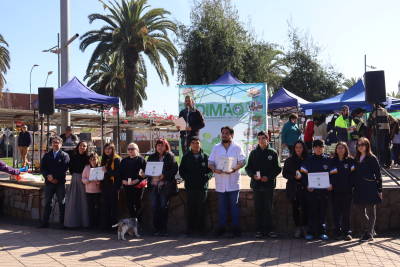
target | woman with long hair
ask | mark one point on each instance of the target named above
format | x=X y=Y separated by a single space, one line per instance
x=342 y=192
x=134 y=182
x=110 y=185
x=295 y=189
x=93 y=192
x=76 y=208
x=320 y=128
x=367 y=186
x=159 y=200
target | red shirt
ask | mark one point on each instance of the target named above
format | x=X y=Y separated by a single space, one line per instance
x=308 y=135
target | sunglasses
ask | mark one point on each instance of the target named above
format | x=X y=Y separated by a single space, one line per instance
x=130 y=149
x=359 y=145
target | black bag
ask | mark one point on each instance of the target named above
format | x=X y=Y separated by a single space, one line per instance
x=171 y=188
x=331 y=138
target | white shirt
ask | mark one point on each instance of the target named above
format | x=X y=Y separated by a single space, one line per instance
x=225 y=182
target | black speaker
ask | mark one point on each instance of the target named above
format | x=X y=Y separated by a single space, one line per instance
x=375 y=90
x=46 y=100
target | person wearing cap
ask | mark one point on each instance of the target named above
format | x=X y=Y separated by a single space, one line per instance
x=382 y=131
x=343 y=127
x=24 y=141
x=69 y=137
x=317 y=199
x=195 y=172
x=308 y=134
x=360 y=126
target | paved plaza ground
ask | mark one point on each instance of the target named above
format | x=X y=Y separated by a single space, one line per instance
x=27 y=246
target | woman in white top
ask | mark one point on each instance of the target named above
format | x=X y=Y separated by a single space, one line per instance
x=320 y=129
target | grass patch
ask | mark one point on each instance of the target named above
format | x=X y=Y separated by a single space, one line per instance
x=7 y=161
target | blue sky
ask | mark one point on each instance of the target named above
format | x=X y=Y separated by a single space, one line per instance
x=347 y=29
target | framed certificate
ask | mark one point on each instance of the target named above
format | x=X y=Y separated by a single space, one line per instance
x=224 y=164
x=96 y=173
x=318 y=180
x=154 y=168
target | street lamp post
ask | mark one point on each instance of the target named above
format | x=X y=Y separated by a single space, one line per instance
x=48 y=74
x=30 y=87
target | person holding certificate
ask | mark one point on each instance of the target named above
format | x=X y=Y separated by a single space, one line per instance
x=318 y=175
x=110 y=186
x=93 y=192
x=342 y=193
x=263 y=167
x=367 y=187
x=159 y=199
x=134 y=183
x=76 y=209
x=227 y=182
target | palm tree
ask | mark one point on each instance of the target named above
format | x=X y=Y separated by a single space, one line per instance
x=4 y=61
x=108 y=79
x=130 y=30
x=350 y=82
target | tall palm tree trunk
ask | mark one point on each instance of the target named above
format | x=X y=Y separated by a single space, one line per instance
x=131 y=69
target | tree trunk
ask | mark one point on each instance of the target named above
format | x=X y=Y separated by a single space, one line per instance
x=131 y=69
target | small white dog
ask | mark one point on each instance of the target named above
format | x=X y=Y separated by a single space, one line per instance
x=127 y=225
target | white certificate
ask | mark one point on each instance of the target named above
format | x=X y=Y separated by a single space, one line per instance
x=181 y=123
x=318 y=180
x=225 y=164
x=96 y=173
x=154 y=168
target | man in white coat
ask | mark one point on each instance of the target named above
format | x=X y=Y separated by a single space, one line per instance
x=227 y=183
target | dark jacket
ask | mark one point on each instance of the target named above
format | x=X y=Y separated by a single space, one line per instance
x=267 y=163
x=77 y=163
x=74 y=138
x=341 y=128
x=170 y=167
x=57 y=167
x=367 y=181
x=295 y=189
x=383 y=120
x=116 y=173
x=196 y=121
x=344 y=176
x=321 y=163
x=130 y=168
x=24 y=139
x=360 y=130
x=195 y=172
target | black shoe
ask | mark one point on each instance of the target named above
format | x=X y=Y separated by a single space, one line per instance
x=61 y=226
x=258 y=235
x=220 y=231
x=236 y=231
x=202 y=231
x=189 y=231
x=272 y=234
x=157 y=232
x=366 y=238
x=338 y=237
x=43 y=225
x=163 y=232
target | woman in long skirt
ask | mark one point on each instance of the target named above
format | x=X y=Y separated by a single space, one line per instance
x=76 y=208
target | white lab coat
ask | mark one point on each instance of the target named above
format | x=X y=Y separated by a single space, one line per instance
x=225 y=182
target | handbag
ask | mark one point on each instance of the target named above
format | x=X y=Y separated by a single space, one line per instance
x=171 y=188
x=331 y=138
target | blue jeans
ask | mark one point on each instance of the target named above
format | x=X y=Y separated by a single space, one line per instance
x=159 y=205
x=232 y=198
x=49 y=191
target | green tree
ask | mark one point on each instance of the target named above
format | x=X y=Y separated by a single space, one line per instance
x=216 y=41
x=132 y=28
x=348 y=83
x=4 y=61
x=393 y=94
x=308 y=77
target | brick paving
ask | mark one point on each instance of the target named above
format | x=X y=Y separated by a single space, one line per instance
x=27 y=246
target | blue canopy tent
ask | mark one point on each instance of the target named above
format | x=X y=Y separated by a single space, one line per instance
x=226 y=78
x=75 y=95
x=354 y=98
x=284 y=102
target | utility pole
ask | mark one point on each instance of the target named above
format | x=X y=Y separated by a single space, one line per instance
x=64 y=9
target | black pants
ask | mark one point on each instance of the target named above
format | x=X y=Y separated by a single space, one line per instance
x=383 y=148
x=109 y=201
x=317 y=207
x=263 y=203
x=93 y=200
x=196 y=201
x=185 y=148
x=309 y=146
x=290 y=149
x=134 y=197
x=296 y=203
x=341 y=213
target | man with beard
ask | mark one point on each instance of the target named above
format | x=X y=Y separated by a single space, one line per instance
x=343 y=127
x=227 y=183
